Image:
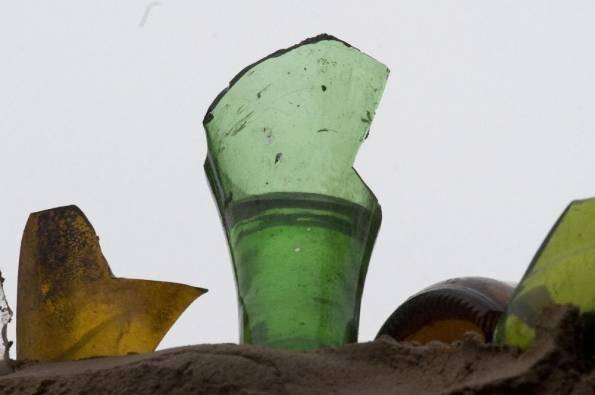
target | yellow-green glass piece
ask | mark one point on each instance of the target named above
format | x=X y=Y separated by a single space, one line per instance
x=70 y=306
x=562 y=272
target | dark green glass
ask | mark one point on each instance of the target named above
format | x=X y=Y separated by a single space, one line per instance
x=300 y=222
x=562 y=272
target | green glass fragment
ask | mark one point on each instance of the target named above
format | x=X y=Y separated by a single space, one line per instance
x=562 y=272
x=300 y=222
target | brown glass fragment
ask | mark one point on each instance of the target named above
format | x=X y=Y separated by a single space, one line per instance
x=447 y=310
x=69 y=304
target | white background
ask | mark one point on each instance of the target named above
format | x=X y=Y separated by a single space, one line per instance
x=485 y=133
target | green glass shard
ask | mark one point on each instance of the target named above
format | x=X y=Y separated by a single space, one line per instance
x=562 y=272
x=300 y=222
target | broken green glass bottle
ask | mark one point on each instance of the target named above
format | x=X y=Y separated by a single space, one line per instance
x=300 y=223
x=562 y=272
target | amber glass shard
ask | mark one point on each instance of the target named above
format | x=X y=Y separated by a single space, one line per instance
x=69 y=304
x=447 y=310
x=300 y=222
x=562 y=272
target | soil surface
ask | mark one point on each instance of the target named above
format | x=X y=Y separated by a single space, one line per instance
x=554 y=365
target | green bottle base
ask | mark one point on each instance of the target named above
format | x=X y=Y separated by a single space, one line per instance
x=300 y=262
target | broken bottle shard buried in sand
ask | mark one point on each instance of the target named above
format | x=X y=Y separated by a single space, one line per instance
x=447 y=310
x=562 y=272
x=70 y=306
x=5 y=319
x=300 y=222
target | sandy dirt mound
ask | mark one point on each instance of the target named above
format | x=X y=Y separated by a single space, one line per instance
x=554 y=365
